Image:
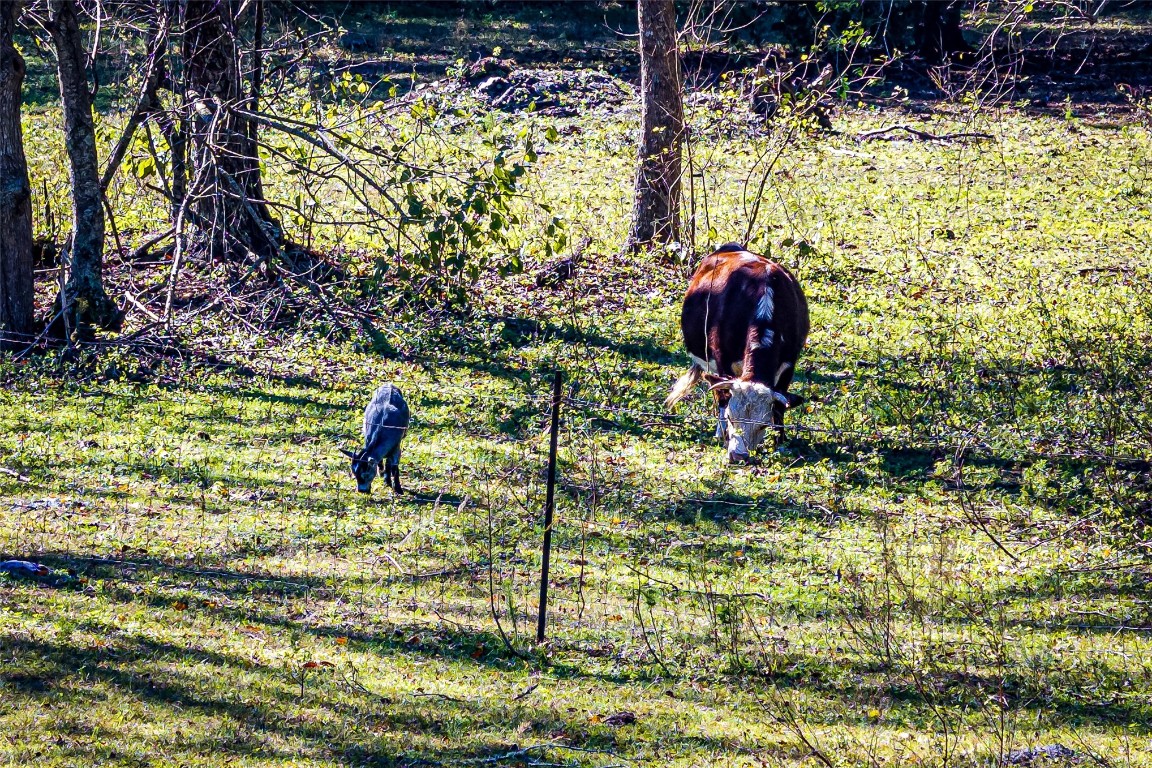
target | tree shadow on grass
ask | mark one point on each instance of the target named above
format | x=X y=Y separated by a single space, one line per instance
x=726 y=508
x=243 y=583
x=261 y=696
x=260 y=713
x=246 y=599
x=143 y=667
x=523 y=331
x=1133 y=584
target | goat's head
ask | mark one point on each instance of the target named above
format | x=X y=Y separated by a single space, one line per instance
x=364 y=469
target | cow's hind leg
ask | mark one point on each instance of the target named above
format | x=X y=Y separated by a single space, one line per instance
x=779 y=435
x=783 y=381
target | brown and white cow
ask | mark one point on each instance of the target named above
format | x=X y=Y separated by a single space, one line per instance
x=744 y=321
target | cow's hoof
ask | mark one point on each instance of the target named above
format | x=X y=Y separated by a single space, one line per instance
x=740 y=458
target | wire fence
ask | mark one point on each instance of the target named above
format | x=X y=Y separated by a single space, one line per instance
x=630 y=583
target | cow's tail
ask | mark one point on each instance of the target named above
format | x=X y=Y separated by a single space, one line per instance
x=684 y=385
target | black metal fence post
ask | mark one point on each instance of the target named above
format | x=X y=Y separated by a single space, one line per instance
x=549 y=505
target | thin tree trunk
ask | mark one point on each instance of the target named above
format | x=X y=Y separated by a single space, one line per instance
x=656 y=213
x=229 y=210
x=257 y=79
x=17 y=289
x=84 y=301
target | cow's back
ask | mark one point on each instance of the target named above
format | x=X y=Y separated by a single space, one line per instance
x=735 y=296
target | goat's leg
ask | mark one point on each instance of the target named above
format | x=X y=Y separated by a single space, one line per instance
x=394 y=469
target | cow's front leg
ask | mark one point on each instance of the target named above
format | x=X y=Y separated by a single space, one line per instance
x=722 y=416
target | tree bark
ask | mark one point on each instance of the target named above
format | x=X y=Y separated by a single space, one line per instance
x=17 y=289
x=227 y=198
x=84 y=301
x=656 y=211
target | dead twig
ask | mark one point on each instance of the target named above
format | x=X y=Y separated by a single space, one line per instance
x=788 y=718
x=139 y=253
x=525 y=692
x=136 y=303
x=444 y=696
x=492 y=593
x=970 y=514
x=883 y=135
x=43 y=334
x=523 y=754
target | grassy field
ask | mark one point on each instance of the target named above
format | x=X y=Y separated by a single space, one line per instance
x=947 y=562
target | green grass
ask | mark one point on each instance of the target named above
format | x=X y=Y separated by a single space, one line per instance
x=235 y=602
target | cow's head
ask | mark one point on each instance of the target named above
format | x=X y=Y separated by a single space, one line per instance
x=752 y=408
x=363 y=469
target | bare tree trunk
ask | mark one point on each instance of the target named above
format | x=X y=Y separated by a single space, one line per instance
x=16 y=284
x=84 y=301
x=227 y=205
x=656 y=213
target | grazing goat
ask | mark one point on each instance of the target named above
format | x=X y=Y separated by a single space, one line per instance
x=385 y=422
x=744 y=322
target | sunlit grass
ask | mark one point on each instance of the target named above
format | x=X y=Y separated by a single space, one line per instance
x=235 y=602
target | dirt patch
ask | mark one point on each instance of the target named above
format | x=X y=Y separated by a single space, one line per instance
x=552 y=92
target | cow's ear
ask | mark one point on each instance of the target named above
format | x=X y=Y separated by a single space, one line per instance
x=794 y=400
x=348 y=453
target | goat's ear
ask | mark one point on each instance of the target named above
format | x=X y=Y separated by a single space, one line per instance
x=348 y=453
x=794 y=400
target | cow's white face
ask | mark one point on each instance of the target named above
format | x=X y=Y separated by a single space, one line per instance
x=749 y=415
